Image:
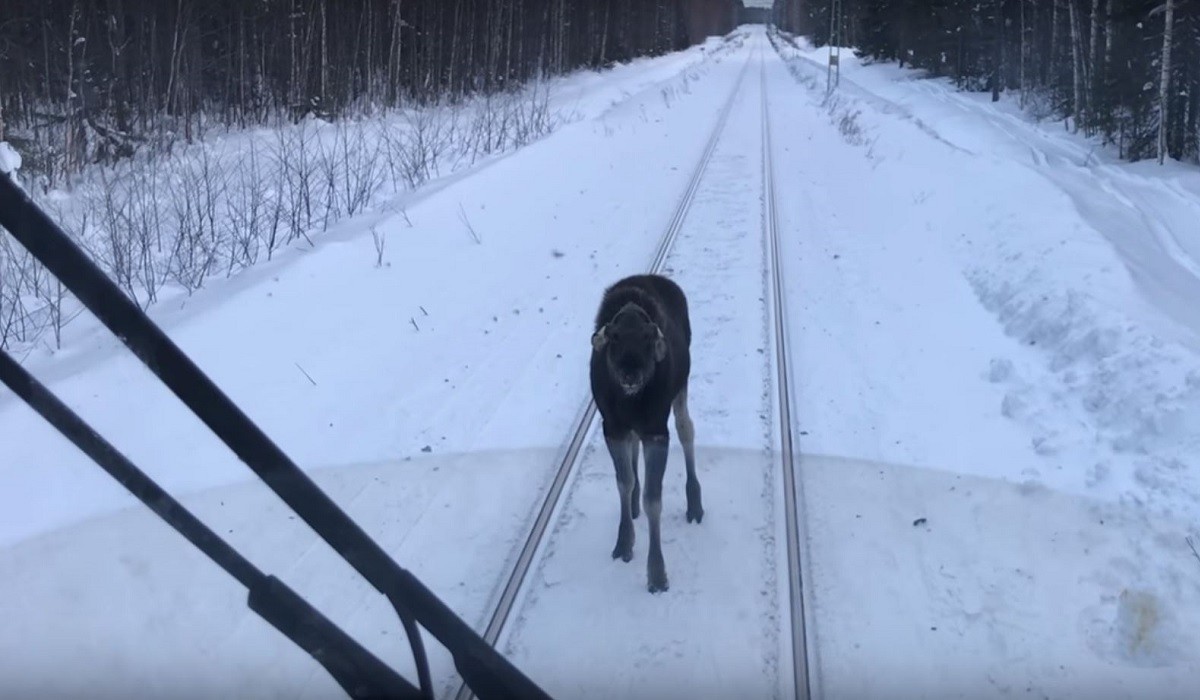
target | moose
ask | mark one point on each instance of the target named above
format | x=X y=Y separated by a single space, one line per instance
x=640 y=364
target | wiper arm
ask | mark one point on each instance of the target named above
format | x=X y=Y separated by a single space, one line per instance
x=486 y=671
x=358 y=671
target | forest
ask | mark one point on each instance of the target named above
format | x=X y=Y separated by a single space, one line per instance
x=179 y=140
x=93 y=80
x=1126 y=71
x=176 y=140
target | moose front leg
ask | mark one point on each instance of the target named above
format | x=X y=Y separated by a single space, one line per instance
x=635 y=500
x=655 y=454
x=621 y=448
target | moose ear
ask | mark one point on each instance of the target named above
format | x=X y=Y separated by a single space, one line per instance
x=600 y=338
x=660 y=345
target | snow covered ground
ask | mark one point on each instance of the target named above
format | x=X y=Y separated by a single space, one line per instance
x=352 y=367
x=996 y=363
x=344 y=362
x=722 y=613
x=997 y=317
x=167 y=222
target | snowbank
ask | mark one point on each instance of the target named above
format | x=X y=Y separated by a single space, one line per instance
x=164 y=225
x=1006 y=317
x=1088 y=264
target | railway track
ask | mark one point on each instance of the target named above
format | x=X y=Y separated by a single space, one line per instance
x=785 y=453
x=788 y=447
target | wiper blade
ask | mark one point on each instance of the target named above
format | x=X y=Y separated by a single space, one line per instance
x=485 y=670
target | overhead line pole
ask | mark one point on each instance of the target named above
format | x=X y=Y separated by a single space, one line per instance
x=833 y=72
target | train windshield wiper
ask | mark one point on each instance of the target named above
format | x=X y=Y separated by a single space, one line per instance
x=360 y=673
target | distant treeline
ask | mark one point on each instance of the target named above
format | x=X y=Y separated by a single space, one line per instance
x=89 y=80
x=1127 y=70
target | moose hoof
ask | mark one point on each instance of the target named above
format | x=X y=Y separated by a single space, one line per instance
x=657 y=584
x=656 y=574
x=623 y=552
x=695 y=515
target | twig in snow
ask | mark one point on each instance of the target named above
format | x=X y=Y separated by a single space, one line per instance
x=422 y=308
x=462 y=214
x=1193 y=546
x=314 y=383
x=414 y=322
x=379 y=244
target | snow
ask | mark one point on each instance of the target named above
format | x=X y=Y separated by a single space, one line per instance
x=10 y=160
x=995 y=359
x=1003 y=590
x=722 y=613
x=416 y=340
x=995 y=336
x=264 y=190
x=138 y=611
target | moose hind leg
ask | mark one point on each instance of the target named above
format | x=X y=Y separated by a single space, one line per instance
x=687 y=437
x=620 y=448
x=655 y=449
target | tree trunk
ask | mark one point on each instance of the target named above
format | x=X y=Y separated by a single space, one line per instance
x=1076 y=64
x=1093 y=65
x=69 y=100
x=394 y=56
x=453 y=79
x=1164 y=86
x=1024 y=49
x=324 y=60
x=604 y=22
x=293 y=95
x=1052 y=67
x=998 y=48
x=1108 y=36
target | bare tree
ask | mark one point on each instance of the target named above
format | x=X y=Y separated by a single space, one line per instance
x=1077 y=68
x=1164 y=84
x=997 y=47
x=128 y=88
x=1086 y=61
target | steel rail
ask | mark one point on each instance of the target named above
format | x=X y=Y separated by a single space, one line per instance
x=569 y=457
x=789 y=452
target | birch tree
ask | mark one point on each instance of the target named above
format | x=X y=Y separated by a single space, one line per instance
x=1164 y=85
